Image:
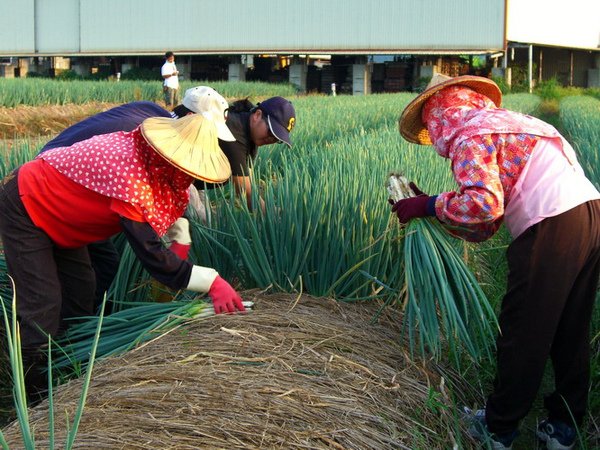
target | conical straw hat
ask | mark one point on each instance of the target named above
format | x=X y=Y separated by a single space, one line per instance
x=411 y=125
x=190 y=144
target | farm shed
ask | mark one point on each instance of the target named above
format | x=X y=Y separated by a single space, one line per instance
x=361 y=46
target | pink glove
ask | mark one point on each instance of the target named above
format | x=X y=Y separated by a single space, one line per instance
x=225 y=299
x=180 y=250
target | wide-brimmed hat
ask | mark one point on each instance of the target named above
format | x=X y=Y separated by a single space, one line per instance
x=411 y=125
x=206 y=101
x=280 y=116
x=190 y=144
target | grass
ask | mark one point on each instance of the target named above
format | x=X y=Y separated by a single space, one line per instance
x=18 y=378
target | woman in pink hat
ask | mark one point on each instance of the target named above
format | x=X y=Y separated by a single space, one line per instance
x=517 y=170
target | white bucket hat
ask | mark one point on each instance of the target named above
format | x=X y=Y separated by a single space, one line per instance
x=210 y=104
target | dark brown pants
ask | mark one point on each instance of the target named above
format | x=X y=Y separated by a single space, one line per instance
x=552 y=285
x=51 y=283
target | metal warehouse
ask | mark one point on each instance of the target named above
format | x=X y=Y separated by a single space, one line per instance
x=362 y=46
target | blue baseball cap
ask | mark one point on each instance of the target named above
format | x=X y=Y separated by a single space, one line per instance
x=281 y=117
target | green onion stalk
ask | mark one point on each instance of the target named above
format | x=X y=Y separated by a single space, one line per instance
x=443 y=301
x=125 y=329
x=19 y=392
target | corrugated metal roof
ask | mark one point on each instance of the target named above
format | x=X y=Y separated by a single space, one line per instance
x=261 y=26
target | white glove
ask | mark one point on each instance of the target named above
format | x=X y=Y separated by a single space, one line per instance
x=201 y=279
x=179 y=232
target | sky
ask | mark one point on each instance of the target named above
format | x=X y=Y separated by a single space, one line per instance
x=569 y=23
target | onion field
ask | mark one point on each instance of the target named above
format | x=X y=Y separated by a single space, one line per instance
x=328 y=231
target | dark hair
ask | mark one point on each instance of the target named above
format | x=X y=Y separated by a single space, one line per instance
x=243 y=105
x=169 y=54
x=181 y=111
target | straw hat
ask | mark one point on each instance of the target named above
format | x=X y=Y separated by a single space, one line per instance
x=412 y=127
x=190 y=144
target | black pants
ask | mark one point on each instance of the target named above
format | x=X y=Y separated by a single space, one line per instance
x=105 y=262
x=554 y=268
x=51 y=283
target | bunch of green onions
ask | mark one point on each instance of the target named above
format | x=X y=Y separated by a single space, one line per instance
x=125 y=329
x=442 y=297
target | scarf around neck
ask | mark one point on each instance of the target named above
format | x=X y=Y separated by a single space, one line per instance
x=122 y=165
x=457 y=113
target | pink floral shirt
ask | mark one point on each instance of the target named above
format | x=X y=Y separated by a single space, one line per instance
x=486 y=167
x=488 y=148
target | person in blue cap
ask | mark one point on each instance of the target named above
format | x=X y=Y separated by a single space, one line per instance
x=268 y=122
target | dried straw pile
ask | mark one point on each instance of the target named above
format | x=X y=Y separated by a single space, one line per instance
x=46 y=120
x=297 y=372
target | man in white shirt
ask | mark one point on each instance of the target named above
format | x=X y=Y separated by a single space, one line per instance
x=170 y=76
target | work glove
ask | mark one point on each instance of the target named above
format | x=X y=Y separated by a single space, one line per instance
x=179 y=237
x=181 y=250
x=225 y=299
x=415 y=189
x=422 y=205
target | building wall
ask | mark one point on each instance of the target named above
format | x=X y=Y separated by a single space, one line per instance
x=17 y=30
x=57 y=26
x=238 y=26
x=574 y=24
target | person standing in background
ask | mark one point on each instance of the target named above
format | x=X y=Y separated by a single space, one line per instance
x=170 y=76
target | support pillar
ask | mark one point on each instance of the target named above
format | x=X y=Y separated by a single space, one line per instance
x=237 y=70
x=361 y=79
x=297 y=73
x=530 y=69
x=82 y=66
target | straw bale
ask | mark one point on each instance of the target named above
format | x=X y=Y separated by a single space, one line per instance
x=295 y=373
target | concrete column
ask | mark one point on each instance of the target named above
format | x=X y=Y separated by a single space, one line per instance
x=128 y=63
x=185 y=69
x=297 y=74
x=82 y=66
x=594 y=73
x=7 y=71
x=427 y=71
x=237 y=69
x=361 y=79
x=530 y=68
x=23 y=67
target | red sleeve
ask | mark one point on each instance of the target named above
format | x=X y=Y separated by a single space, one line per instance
x=127 y=210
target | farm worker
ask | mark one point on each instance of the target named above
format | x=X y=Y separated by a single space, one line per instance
x=516 y=169
x=170 y=76
x=134 y=182
x=253 y=126
x=201 y=100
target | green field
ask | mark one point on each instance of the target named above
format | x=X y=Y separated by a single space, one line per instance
x=328 y=230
